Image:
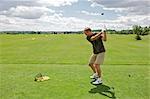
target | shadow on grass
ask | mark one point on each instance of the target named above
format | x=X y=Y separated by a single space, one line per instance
x=104 y=90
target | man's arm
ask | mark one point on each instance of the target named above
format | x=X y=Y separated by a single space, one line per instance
x=95 y=37
x=104 y=36
x=101 y=34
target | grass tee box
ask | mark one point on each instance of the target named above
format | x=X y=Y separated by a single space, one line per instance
x=64 y=59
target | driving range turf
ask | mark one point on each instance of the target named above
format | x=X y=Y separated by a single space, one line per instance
x=64 y=59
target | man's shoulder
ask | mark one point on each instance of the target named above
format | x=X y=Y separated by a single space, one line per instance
x=89 y=37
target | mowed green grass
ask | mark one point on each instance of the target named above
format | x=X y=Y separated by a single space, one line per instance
x=71 y=49
x=64 y=58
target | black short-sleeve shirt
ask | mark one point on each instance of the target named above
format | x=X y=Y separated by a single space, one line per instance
x=97 y=44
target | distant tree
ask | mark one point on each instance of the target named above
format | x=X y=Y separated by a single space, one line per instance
x=111 y=31
x=98 y=30
x=137 y=30
x=32 y=32
x=38 y=32
x=146 y=30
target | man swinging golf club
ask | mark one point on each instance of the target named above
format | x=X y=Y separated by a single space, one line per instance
x=97 y=58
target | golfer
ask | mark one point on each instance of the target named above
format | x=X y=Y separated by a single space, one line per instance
x=97 y=57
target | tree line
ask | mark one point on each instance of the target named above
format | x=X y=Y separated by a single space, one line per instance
x=136 y=29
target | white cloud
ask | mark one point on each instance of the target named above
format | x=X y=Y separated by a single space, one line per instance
x=91 y=13
x=130 y=12
x=38 y=15
x=116 y=10
x=7 y=4
x=133 y=7
x=135 y=19
x=60 y=23
x=56 y=3
x=44 y=23
x=27 y=12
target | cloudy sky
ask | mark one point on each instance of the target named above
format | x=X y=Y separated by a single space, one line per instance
x=62 y=15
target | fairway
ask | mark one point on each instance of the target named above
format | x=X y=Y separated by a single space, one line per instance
x=64 y=59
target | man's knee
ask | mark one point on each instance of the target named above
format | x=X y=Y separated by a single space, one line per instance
x=96 y=65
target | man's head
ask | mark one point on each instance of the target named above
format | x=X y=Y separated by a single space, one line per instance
x=87 y=31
